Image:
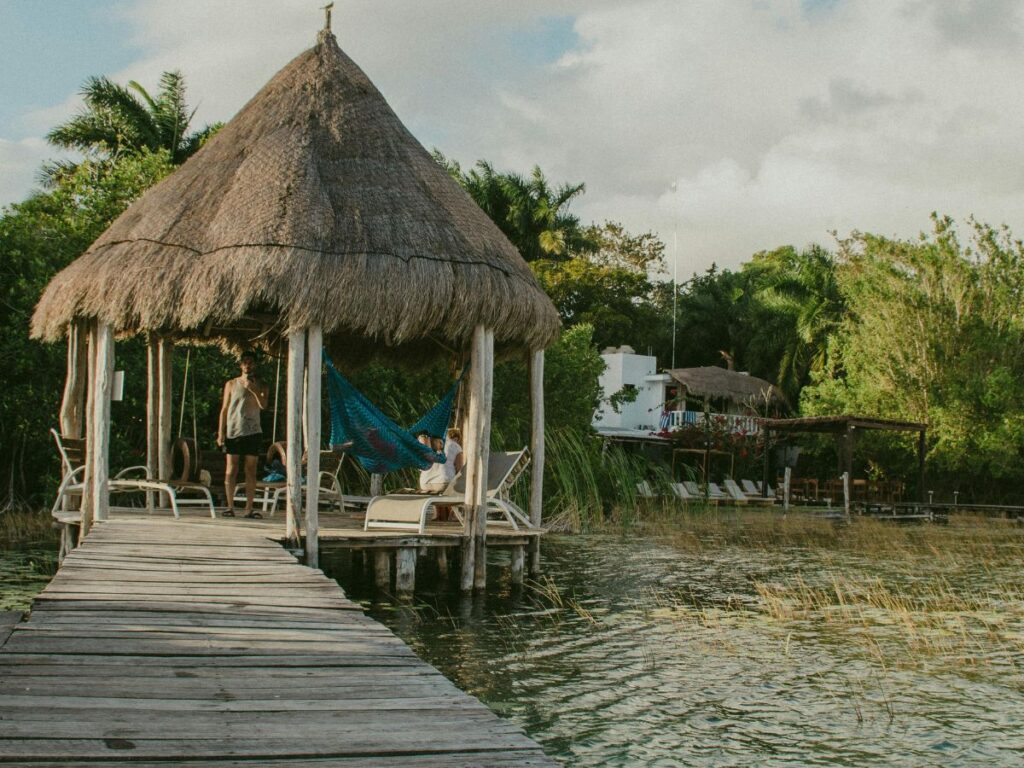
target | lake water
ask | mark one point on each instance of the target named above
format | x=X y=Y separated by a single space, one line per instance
x=636 y=652
x=698 y=650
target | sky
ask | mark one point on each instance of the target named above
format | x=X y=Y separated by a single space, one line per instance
x=725 y=127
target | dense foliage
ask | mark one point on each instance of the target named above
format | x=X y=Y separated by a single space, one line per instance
x=927 y=329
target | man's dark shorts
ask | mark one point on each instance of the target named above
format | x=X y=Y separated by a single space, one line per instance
x=246 y=445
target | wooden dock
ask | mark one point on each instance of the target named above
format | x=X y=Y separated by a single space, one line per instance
x=188 y=642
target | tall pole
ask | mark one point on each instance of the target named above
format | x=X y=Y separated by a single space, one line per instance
x=474 y=421
x=675 y=275
x=152 y=409
x=293 y=427
x=483 y=455
x=314 y=351
x=103 y=383
x=537 y=453
x=675 y=287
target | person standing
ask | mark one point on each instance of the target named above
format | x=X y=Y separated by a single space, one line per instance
x=240 y=433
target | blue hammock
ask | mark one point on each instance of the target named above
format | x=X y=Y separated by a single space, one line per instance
x=380 y=444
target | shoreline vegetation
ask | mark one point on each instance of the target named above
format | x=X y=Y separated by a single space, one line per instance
x=924 y=329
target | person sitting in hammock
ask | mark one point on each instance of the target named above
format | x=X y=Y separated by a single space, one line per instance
x=454 y=460
x=435 y=478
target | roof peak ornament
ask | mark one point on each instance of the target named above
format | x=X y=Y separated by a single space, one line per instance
x=327 y=16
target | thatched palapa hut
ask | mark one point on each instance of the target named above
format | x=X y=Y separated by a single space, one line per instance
x=313 y=217
x=733 y=387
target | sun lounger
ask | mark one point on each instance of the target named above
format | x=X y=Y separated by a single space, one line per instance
x=72 y=456
x=410 y=511
x=737 y=493
x=729 y=496
x=682 y=494
x=714 y=492
x=752 y=489
x=644 y=490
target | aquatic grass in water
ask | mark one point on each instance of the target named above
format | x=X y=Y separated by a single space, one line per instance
x=738 y=637
x=19 y=525
x=23 y=574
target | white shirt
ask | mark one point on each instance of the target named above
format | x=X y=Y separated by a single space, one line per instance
x=432 y=477
x=441 y=474
x=451 y=453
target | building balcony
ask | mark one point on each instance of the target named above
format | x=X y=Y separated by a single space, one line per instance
x=733 y=423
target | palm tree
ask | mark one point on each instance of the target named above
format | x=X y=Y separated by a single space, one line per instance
x=536 y=213
x=120 y=120
x=530 y=213
x=802 y=286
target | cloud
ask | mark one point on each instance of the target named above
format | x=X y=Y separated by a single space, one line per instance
x=20 y=161
x=777 y=121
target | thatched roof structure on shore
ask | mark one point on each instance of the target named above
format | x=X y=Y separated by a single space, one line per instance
x=313 y=205
x=741 y=388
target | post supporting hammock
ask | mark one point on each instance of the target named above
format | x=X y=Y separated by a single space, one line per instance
x=375 y=440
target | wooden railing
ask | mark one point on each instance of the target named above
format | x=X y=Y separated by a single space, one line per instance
x=732 y=422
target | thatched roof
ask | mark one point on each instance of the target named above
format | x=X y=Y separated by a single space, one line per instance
x=314 y=205
x=710 y=381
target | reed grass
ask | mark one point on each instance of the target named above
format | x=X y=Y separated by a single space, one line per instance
x=19 y=526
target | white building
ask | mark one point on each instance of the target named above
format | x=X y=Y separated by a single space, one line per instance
x=732 y=397
x=624 y=368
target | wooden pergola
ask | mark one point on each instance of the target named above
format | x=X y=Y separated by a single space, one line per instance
x=846 y=430
x=312 y=220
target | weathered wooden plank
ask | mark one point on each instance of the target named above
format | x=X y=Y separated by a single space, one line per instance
x=8 y=620
x=185 y=661
x=158 y=642
x=496 y=759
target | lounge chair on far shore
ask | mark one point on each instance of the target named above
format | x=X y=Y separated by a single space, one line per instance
x=729 y=496
x=714 y=492
x=737 y=493
x=681 y=492
x=750 y=488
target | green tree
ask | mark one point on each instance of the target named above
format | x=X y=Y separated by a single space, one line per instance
x=608 y=285
x=119 y=120
x=38 y=237
x=798 y=308
x=532 y=214
x=934 y=333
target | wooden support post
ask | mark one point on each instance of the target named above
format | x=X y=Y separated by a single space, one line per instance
x=442 y=562
x=314 y=348
x=536 y=454
x=785 y=488
x=483 y=454
x=152 y=409
x=104 y=382
x=293 y=451
x=766 y=471
x=89 y=478
x=849 y=438
x=846 y=493
x=165 y=377
x=921 y=448
x=382 y=568
x=405 y=570
x=72 y=407
x=472 y=465
x=518 y=558
x=376 y=484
